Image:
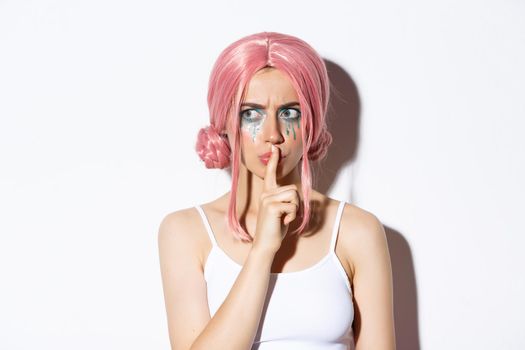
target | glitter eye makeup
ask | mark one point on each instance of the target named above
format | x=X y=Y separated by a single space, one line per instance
x=292 y=120
x=251 y=115
x=253 y=118
x=251 y=121
x=289 y=113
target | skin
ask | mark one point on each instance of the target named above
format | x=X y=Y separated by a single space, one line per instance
x=272 y=89
x=184 y=244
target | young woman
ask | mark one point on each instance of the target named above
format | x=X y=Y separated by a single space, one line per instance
x=273 y=264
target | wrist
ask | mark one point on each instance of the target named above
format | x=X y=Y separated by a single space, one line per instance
x=262 y=253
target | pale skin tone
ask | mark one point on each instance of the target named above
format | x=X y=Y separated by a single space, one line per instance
x=268 y=194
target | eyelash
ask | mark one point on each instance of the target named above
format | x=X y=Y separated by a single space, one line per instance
x=283 y=110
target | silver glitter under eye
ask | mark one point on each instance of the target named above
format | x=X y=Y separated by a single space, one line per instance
x=253 y=124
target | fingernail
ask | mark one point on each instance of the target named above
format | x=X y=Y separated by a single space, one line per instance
x=273 y=148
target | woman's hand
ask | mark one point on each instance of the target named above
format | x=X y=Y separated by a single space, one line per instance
x=274 y=203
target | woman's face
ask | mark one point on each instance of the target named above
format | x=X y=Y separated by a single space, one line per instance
x=270 y=114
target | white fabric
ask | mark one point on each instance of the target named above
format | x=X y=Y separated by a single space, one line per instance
x=309 y=309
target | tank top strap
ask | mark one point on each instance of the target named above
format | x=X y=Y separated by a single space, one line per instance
x=207 y=225
x=335 y=229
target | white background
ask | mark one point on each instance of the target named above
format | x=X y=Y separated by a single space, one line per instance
x=100 y=104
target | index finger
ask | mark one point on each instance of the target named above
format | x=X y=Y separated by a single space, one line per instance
x=270 y=178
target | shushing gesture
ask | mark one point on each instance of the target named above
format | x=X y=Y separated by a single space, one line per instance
x=277 y=208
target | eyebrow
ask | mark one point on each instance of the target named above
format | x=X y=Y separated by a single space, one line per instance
x=256 y=105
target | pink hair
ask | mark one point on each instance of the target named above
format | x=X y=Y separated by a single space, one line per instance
x=230 y=75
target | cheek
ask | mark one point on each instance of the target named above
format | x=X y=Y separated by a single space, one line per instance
x=293 y=128
x=251 y=129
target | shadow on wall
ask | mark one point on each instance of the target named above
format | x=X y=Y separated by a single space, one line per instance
x=343 y=123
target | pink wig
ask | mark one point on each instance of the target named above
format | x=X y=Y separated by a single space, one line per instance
x=230 y=75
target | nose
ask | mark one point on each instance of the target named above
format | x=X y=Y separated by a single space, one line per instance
x=272 y=130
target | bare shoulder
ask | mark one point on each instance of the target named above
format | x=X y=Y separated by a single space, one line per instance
x=362 y=236
x=177 y=223
x=181 y=229
x=360 y=225
x=183 y=280
x=366 y=247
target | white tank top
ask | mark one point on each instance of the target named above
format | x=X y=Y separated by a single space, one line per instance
x=310 y=309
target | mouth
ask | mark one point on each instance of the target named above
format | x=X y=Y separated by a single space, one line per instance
x=264 y=159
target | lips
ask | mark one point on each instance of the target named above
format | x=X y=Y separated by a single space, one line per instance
x=266 y=157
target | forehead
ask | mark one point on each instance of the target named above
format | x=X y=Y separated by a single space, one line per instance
x=270 y=85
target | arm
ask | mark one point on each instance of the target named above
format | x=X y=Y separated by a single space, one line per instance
x=235 y=323
x=373 y=290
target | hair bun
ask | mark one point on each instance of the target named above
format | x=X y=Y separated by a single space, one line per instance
x=213 y=148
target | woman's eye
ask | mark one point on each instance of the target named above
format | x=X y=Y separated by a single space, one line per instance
x=250 y=114
x=290 y=113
